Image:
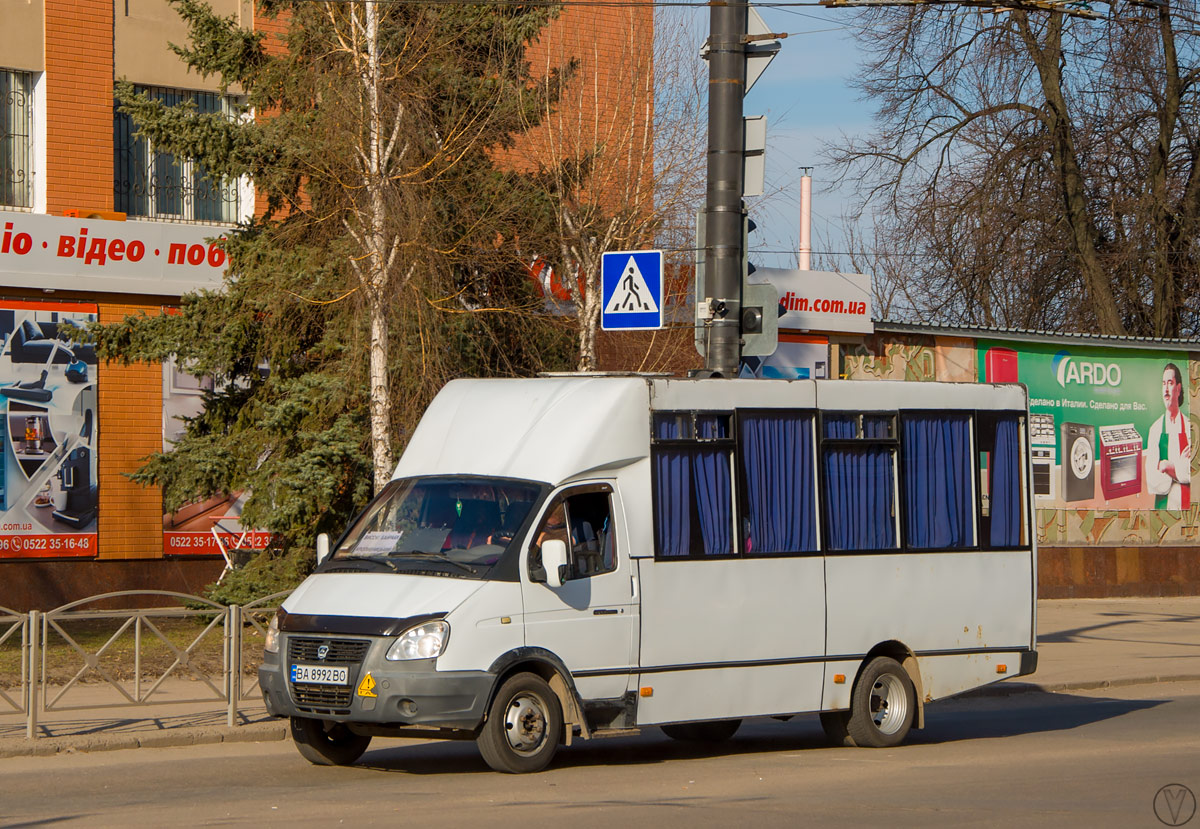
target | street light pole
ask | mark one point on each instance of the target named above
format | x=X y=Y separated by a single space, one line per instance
x=723 y=204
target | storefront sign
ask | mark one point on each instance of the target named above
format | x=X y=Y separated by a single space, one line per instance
x=821 y=300
x=1109 y=428
x=48 y=489
x=159 y=258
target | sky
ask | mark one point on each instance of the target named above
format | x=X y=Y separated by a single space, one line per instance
x=806 y=96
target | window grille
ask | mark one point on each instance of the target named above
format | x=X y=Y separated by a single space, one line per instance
x=160 y=185
x=16 y=138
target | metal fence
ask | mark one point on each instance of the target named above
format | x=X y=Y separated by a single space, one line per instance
x=130 y=654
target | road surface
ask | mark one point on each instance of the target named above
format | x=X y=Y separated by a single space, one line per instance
x=1081 y=759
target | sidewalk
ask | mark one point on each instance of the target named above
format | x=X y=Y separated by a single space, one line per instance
x=1083 y=644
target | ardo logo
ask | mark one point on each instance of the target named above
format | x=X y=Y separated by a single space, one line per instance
x=1069 y=370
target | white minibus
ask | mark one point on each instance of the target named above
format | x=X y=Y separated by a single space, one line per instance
x=580 y=556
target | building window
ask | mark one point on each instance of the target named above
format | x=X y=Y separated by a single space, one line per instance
x=16 y=138
x=159 y=185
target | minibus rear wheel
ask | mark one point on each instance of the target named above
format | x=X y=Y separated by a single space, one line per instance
x=882 y=705
x=327 y=743
x=524 y=726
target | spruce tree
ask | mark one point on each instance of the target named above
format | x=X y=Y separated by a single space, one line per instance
x=372 y=134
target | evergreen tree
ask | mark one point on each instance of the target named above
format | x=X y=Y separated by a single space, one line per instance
x=384 y=262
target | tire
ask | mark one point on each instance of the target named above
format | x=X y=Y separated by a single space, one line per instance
x=835 y=724
x=523 y=728
x=325 y=743
x=882 y=706
x=714 y=731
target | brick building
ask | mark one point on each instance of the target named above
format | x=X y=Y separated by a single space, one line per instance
x=71 y=523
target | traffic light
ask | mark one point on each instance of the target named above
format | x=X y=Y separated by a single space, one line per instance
x=760 y=304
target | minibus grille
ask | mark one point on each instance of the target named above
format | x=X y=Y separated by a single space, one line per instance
x=305 y=650
x=341 y=651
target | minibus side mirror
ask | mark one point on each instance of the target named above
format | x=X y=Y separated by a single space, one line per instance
x=322 y=548
x=554 y=560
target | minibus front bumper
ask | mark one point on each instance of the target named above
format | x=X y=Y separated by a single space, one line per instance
x=405 y=693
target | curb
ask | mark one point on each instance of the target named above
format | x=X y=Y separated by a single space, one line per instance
x=1008 y=689
x=271 y=731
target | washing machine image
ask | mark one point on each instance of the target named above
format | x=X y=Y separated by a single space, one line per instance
x=1078 y=461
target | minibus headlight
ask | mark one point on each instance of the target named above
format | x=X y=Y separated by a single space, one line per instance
x=271 y=643
x=421 y=642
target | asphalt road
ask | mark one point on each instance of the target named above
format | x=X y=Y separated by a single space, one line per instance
x=1081 y=759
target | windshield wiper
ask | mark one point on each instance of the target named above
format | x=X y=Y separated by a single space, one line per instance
x=466 y=568
x=373 y=559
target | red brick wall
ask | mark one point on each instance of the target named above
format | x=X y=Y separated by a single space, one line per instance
x=610 y=100
x=79 y=104
x=130 y=413
x=1092 y=572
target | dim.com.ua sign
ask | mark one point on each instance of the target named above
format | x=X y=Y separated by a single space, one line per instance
x=819 y=305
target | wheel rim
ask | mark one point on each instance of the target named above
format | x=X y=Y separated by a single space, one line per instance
x=525 y=723
x=889 y=704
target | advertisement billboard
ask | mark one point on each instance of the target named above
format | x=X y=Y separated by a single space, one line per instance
x=48 y=481
x=211 y=526
x=1109 y=428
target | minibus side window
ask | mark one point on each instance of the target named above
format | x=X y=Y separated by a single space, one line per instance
x=776 y=456
x=693 y=484
x=859 y=477
x=938 y=492
x=1002 y=485
x=583 y=521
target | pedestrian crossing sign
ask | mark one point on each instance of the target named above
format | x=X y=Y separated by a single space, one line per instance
x=631 y=287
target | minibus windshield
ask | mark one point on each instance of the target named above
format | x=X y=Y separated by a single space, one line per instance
x=462 y=525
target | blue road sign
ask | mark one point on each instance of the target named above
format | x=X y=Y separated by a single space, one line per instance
x=631 y=287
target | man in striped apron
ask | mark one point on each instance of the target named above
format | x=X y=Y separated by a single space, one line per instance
x=1169 y=449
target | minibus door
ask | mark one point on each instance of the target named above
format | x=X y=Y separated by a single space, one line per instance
x=590 y=621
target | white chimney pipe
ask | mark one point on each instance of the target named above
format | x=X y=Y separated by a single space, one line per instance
x=805 y=219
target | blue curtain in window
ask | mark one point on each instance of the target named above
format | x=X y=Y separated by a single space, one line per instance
x=1006 y=485
x=777 y=460
x=877 y=426
x=841 y=426
x=937 y=480
x=714 y=499
x=673 y=476
x=860 y=492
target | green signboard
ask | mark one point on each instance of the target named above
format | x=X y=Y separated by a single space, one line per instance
x=1108 y=427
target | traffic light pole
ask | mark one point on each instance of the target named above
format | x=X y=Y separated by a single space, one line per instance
x=723 y=205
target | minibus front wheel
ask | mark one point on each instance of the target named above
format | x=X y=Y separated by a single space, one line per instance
x=524 y=726
x=327 y=743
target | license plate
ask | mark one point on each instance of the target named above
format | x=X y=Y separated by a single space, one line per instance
x=321 y=674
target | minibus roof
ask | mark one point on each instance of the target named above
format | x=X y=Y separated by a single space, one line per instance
x=556 y=429
x=550 y=429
